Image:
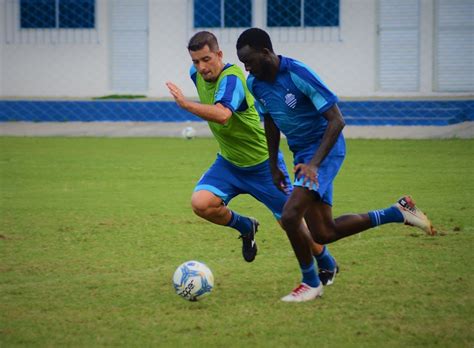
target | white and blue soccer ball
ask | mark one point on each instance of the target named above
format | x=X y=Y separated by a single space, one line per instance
x=188 y=133
x=193 y=280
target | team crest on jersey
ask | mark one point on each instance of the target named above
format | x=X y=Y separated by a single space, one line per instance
x=290 y=100
x=264 y=103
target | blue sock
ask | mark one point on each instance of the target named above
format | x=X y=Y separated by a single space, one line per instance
x=241 y=223
x=385 y=216
x=310 y=276
x=325 y=260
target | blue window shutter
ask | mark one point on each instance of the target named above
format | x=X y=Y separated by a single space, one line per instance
x=321 y=13
x=37 y=14
x=284 y=13
x=237 y=13
x=207 y=14
x=76 y=13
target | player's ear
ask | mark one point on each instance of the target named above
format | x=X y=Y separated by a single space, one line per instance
x=266 y=51
x=220 y=54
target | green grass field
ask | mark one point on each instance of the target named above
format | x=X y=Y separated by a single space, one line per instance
x=92 y=230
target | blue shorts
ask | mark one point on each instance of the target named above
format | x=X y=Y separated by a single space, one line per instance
x=227 y=180
x=326 y=172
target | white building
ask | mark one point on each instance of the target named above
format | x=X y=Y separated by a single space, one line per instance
x=370 y=48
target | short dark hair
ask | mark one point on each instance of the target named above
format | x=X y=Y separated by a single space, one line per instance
x=201 y=39
x=255 y=38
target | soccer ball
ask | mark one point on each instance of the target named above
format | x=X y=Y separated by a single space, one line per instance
x=193 y=280
x=188 y=133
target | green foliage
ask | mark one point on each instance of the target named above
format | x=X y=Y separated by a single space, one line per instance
x=92 y=230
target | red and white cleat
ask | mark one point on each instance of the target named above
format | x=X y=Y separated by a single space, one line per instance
x=304 y=292
x=414 y=216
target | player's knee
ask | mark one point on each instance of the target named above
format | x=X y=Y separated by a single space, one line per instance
x=324 y=235
x=322 y=238
x=289 y=219
x=200 y=207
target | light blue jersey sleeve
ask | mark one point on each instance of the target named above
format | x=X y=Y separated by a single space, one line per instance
x=230 y=92
x=309 y=83
x=260 y=108
x=258 y=104
x=193 y=73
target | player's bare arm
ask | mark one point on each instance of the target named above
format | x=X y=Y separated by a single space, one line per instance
x=272 y=133
x=335 y=125
x=214 y=113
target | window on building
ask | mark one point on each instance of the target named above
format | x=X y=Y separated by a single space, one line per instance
x=284 y=13
x=64 y=14
x=303 y=13
x=222 y=14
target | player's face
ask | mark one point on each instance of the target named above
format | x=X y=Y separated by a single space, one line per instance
x=258 y=63
x=207 y=63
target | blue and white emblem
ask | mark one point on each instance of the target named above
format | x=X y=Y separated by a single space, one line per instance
x=290 y=100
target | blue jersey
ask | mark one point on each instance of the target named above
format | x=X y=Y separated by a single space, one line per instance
x=296 y=101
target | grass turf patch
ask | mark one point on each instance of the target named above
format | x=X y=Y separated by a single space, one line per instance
x=92 y=230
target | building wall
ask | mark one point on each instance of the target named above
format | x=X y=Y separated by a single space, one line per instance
x=169 y=58
x=2 y=20
x=36 y=66
x=346 y=60
x=346 y=65
x=426 y=46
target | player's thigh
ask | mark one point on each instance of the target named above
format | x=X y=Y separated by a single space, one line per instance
x=271 y=197
x=319 y=218
x=219 y=180
x=260 y=185
x=298 y=203
x=327 y=172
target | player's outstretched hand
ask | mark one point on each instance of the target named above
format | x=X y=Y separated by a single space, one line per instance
x=176 y=93
x=279 y=180
x=308 y=173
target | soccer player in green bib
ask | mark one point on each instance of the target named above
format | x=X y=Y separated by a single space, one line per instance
x=242 y=166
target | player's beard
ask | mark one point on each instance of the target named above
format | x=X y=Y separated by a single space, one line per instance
x=265 y=73
x=210 y=77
